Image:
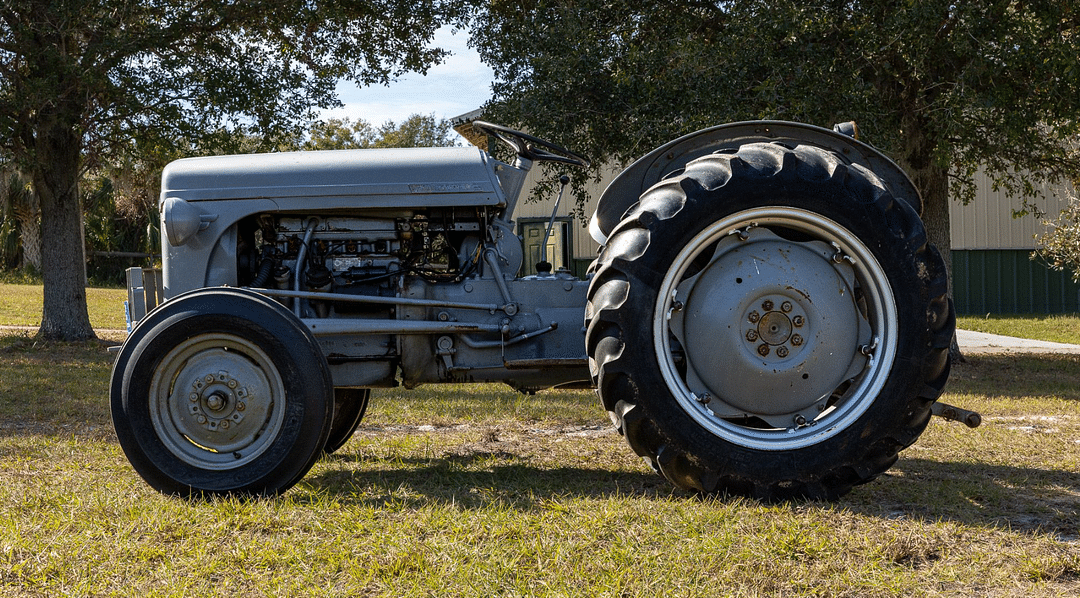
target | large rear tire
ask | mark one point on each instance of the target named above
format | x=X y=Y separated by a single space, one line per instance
x=221 y=391
x=769 y=322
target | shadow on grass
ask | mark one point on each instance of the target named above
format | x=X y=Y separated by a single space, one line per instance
x=998 y=496
x=1017 y=376
x=971 y=494
x=481 y=479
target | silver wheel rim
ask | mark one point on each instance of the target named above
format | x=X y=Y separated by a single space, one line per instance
x=217 y=401
x=775 y=328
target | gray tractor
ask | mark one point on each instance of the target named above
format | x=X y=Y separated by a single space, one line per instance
x=765 y=318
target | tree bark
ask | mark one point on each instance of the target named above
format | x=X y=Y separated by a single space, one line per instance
x=933 y=184
x=55 y=173
x=24 y=205
x=30 y=237
x=932 y=181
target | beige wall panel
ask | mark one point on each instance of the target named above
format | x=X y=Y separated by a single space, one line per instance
x=988 y=223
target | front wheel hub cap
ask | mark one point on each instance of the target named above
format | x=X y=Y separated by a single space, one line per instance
x=216 y=401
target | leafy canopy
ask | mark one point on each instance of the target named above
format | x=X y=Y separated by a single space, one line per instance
x=122 y=69
x=418 y=130
x=1059 y=246
x=944 y=86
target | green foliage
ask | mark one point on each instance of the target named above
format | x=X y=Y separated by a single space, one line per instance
x=1059 y=246
x=9 y=243
x=340 y=133
x=18 y=210
x=417 y=130
x=196 y=70
x=109 y=231
x=9 y=237
x=19 y=277
x=943 y=86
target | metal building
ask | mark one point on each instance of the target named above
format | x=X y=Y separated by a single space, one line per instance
x=993 y=268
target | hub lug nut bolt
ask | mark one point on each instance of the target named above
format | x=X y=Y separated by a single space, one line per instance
x=798 y=320
x=767 y=305
x=796 y=340
x=751 y=335
x=781 y=351
x=754 y=317
x=763 y=349
x=785 y=306
x=215 y=402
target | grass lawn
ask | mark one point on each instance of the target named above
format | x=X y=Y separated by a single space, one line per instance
x=1056 y=328
x=479 y=491
x=20 y=305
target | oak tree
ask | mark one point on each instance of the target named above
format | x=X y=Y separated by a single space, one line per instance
x=84 y=80
x=943 y=86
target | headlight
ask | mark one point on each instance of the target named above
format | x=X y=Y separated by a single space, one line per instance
x=183 y=220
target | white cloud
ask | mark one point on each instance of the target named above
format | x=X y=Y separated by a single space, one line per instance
x=460 y=84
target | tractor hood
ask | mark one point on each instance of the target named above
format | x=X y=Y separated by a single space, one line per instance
x=393 y=178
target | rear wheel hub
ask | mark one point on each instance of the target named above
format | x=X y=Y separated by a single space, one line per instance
x=764 y=324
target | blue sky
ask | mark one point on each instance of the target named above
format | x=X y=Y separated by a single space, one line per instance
x=459 y=85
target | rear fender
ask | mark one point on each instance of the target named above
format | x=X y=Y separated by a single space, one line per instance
x=624 y=191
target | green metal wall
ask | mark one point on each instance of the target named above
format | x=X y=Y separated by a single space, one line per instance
x=580 y=267
x=1008 y=281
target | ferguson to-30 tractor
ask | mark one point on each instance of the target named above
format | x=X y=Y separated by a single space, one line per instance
x=765 y=317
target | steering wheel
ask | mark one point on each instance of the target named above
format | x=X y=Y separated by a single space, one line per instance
x=528 y=146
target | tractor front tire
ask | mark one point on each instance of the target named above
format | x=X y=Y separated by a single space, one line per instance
x=221 y=391
x=350 y=404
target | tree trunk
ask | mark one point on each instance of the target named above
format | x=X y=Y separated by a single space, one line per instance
x=55 y=173
x=932 y=181
x=24 y=205
x=933 y=184
x=30 y=238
